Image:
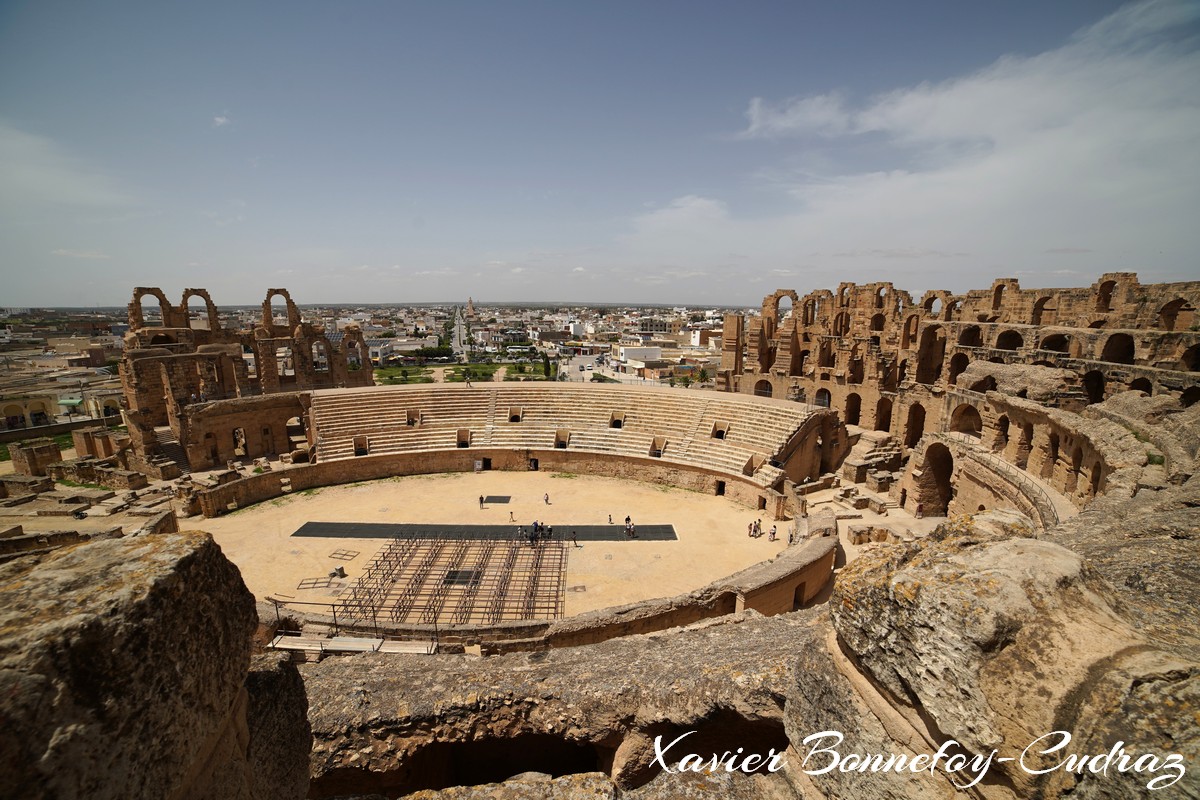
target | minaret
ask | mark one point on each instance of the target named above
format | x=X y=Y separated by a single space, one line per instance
x=470 y=309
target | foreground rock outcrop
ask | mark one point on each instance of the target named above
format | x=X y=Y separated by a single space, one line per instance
x=126 y=672
x=996 y=640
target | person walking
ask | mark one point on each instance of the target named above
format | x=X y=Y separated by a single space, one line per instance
x=772 y=536
x=750 y=530
x=511 y=518
x=547 y=498
x=575 y=541
x=481 y=501
x=610 y=519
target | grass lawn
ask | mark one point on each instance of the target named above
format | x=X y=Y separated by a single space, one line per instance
x=390 y=376
x=64 y=441
x=479 y=372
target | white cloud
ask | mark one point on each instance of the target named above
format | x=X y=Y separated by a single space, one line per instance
x=89 y=254
x=579 y=269
x=221 y=120
x=823 y=114
x=1095 y=143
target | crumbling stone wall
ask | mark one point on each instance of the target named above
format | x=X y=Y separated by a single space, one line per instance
x=126 y=672
x=231 y=430
x=32 y=457
x=180 y=362
x=914 y=368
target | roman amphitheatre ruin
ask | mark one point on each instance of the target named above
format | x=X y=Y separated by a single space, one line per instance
x=986 y=515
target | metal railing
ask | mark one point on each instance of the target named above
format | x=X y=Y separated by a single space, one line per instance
x=1021 y=479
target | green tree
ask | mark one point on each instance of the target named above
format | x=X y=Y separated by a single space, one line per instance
x=703 y=376
x=685 y=381
x=546 y=365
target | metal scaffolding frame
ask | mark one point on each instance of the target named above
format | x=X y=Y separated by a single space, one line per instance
x=461 y=582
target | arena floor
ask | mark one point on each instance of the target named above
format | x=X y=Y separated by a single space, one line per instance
x=712 y=540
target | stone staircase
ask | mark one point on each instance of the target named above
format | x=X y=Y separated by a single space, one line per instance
x=170 y=450
x=875 y=450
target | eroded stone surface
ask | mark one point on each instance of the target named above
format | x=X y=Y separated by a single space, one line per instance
x=123 y=667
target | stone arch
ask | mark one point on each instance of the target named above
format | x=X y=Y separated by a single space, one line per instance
x=877 y=322
x=930 y=354
x=321 y=352
x=998 y=297
x=214 y=319
x=966 y=419
x=1000 y=442
x=855 y=373
x=1189 y=361
x=137 y=318
x=1118 y=349
x=880 y=293
x=843 y=295
x=985 y=384
x=970 y=336
x=1025 y=445
x=1141 y=385
x=958 y=363
x=934 y=490
x=1190 y=396
x=853 y=408
x=293 y=313
x=14 y=416
x=772 y=305
x=933 y=302
x=1095 y=485
x=763 y=388
x=952 y=308
x=1104 y=294
x=809 y=313
x=1178 y=314
x=841 y=323
x=1010 y=340
x=1056 y=342
x=1093 y=384
x=914 y=429
x=1051 y=458
x=825 y=356
x=822 y=398
x=358 y=355
x=883 y=414
x=1072 y=482
x=1039 y=310
x=909 y=334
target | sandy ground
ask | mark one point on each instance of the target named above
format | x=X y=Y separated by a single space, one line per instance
x=712 y=531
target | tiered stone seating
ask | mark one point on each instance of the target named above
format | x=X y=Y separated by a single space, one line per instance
x=754 y=429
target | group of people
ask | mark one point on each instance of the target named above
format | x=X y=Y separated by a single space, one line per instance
x=537 y=532
x=630 y=529
x=754 y=529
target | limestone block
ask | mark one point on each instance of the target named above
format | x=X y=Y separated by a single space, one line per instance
x=122 y=669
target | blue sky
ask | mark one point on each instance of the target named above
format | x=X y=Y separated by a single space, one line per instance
x=690 y=152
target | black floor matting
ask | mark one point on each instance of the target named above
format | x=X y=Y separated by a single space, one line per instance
x=387 y=530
